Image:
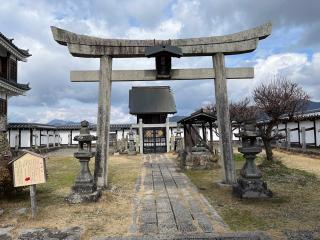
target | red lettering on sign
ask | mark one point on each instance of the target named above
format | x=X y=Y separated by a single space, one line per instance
x=27 y=179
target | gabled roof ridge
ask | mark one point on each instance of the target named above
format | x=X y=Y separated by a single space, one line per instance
x=24 y=152
x=24 y=52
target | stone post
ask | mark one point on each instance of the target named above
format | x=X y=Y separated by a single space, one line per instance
x=168 y=134
x=288 y=143
x=69 y=140
x=103 y=123
x=54 y=138
x=16 y=142
x=48 y=140
x=59 y=140
x=33 y=200
x=303 y=138
x=35 y=141
x=141 y=135
x=223 y=115
x=126 y=143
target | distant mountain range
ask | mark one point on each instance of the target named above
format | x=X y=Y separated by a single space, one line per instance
x=59 y=122
x=176 y=118
x=312 y=106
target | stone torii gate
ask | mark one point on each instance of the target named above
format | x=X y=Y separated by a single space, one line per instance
x=107 y=49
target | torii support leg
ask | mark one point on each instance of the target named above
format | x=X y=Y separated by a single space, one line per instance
x=103 y=123
x=223 y=115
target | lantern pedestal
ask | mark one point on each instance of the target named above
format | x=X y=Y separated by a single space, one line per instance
x=251 y=188
x=84 y=189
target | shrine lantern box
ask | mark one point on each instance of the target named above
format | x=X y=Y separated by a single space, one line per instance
x=29 y=169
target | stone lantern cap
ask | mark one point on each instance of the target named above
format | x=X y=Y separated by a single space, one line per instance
x=248 y=131
x=249 y=136
x=85 y=135
x=178 y=130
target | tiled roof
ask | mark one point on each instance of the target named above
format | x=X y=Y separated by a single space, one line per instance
x=23 y=52
x=155 y=99
x=23 y=87
x=30 y=126
x=113 y=127
x=200 y=116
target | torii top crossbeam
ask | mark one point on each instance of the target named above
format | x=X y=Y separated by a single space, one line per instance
x=94 y=47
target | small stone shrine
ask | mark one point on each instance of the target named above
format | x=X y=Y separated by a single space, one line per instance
x=84 y=189
x=250 y=184
x=200 y=158
x=132 y=148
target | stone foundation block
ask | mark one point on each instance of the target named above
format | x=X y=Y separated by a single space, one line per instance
x=251 y=188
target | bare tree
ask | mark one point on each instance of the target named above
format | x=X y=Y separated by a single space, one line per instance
x=240 y=112
x=275 y=100
x=243 y=112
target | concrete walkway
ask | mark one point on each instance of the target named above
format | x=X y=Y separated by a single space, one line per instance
x=168 y=203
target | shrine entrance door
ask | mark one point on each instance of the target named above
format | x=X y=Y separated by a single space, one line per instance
x=154 y=140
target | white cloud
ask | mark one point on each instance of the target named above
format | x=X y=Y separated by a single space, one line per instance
x=293 y=66
x=166 y=29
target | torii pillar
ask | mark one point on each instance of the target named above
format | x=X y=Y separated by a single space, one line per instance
x=103 y=123
x=223 y=115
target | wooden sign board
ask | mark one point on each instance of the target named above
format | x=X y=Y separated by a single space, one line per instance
x=29 y=169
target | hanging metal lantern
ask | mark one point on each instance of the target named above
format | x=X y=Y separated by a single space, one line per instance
x=163 y=56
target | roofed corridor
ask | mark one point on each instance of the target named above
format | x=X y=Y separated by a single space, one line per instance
x=168 y=203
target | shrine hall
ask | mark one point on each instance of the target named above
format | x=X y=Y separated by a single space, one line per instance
x=152 y=105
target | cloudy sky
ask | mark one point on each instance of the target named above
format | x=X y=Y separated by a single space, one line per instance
x=292 y=50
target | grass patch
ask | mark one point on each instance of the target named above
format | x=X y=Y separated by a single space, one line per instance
x=238 y=157
x=295 y=205
x=110 y=216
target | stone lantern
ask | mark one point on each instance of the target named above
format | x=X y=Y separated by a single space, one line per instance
x=178 y=139
x=84 y=189
x=250 y=184
x=132 y=149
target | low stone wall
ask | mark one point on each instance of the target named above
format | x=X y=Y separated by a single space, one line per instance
x=44 y=150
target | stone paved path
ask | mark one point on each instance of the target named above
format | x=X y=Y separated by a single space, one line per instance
x=168 y=203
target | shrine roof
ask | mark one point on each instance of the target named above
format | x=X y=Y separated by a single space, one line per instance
x=198 y=117
x=151 y=100
x=165 y=49
x=24 y=152
x=13 y=88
